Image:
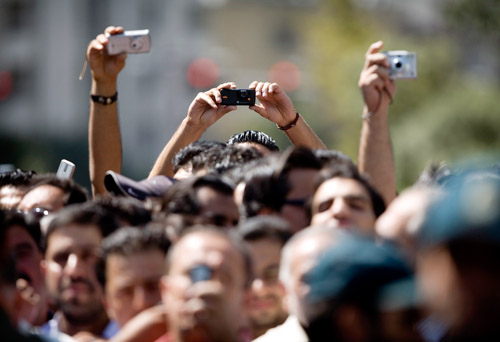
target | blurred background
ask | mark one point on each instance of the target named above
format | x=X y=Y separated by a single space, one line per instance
x=313 y=48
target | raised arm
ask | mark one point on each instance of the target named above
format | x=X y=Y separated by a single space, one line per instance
x=203 y=112
x=105 y=148
x=375 y=156
x=276 y=106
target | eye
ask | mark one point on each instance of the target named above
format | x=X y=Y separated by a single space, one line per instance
x=61 y=258
x=324 y=206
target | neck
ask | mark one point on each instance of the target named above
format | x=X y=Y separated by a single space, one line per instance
x=95 y=327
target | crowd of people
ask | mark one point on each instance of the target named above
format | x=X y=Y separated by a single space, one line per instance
x=239 y=241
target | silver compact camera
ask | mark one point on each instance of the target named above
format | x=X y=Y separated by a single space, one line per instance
x=403 y=64
x=137 y=41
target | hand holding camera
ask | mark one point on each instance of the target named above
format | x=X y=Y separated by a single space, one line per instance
x=207 y=107
x=105 y=68
x=275 y=105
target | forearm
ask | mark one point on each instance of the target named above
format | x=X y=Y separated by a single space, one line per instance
x=105 y=148
x=302 y=135
x=375 y=156
x=183 y=136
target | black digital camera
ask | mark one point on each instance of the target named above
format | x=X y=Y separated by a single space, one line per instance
x=238 y=97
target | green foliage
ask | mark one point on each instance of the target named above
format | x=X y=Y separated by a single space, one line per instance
x=445 y=114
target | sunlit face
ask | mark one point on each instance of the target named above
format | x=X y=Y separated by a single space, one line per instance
x=133 y=283
x=301 y=182
x=266 y=301
x=211 y=308
x=70 y=275
x=342 y=203
x=45 y=196
x=217 y=208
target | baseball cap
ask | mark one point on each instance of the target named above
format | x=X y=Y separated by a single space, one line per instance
x=118 y=184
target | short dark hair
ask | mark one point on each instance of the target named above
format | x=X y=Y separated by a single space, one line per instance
x=127 y=209
x=265 y=227
x=17 y=178
x=128 y=241
x=186 y=154
x=88 y=213
x=224 y=159
x=330 y=158
x=73 y=192
x=344 y=171
x=181 y=197
x=256 y=137
x=232 y=236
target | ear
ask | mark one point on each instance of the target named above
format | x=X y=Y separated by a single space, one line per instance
x=43 y=267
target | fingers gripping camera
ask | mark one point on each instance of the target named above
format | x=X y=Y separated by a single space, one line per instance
x=403 y=64
x=137 y=41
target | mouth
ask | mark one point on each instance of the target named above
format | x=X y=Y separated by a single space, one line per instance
x=262 y=303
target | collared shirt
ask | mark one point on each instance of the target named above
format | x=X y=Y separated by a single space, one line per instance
x=290 y=331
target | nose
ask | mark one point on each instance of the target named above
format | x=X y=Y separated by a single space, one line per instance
x=340 y=209
x=144 y=299
x=74 y=266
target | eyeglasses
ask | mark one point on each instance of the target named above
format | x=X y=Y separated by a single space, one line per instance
x=37 y=213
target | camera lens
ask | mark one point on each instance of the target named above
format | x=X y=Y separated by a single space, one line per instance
x=136 y=44
x=398 y=64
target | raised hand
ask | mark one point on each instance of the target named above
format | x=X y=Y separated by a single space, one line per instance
x=275 y=105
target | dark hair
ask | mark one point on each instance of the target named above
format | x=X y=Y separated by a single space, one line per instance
x=221 y=160
x=232 y=236
x=129 y=210
x=73 y=192
x=128 y=241
x=181 y=197
x=265 y=227
x=186 y=154
x=88 y=213
x=344 y=171
x=27 y=222
x=256 y=137
x=17 y=178
x=330 y=158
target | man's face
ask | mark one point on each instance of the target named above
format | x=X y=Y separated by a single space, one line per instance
x=341 y=203
x=204 y=290
x=70 y=277
x=301 y=182
x=217 y=208
x=303 y=258
x=266 y=302
x=133 y=283
x=48 y=197
x=27 y=258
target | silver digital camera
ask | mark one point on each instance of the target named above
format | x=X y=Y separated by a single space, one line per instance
x=137 y=41
x=403 y=64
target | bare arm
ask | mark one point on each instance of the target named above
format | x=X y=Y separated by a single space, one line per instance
x=276 y=106
x=203 y=112
x=375 y=156
x=105 y=148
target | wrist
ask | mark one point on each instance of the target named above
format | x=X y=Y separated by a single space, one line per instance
x=192 y=127
x=103 y=87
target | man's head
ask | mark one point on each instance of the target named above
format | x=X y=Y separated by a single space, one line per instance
x=298 y=257
x=183 y=160
x=13 y=186
x=131 y=265
x=259 y=140
x=204 y=289
x=202 y=200
x=71 y=250
x=265 y=237
x=22 y=240
x=51 y=194
x=344 y=198
x=361 y=290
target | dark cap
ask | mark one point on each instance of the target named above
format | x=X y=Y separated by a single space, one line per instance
x=357 y=268
x=120 y=185
x=469 y=210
